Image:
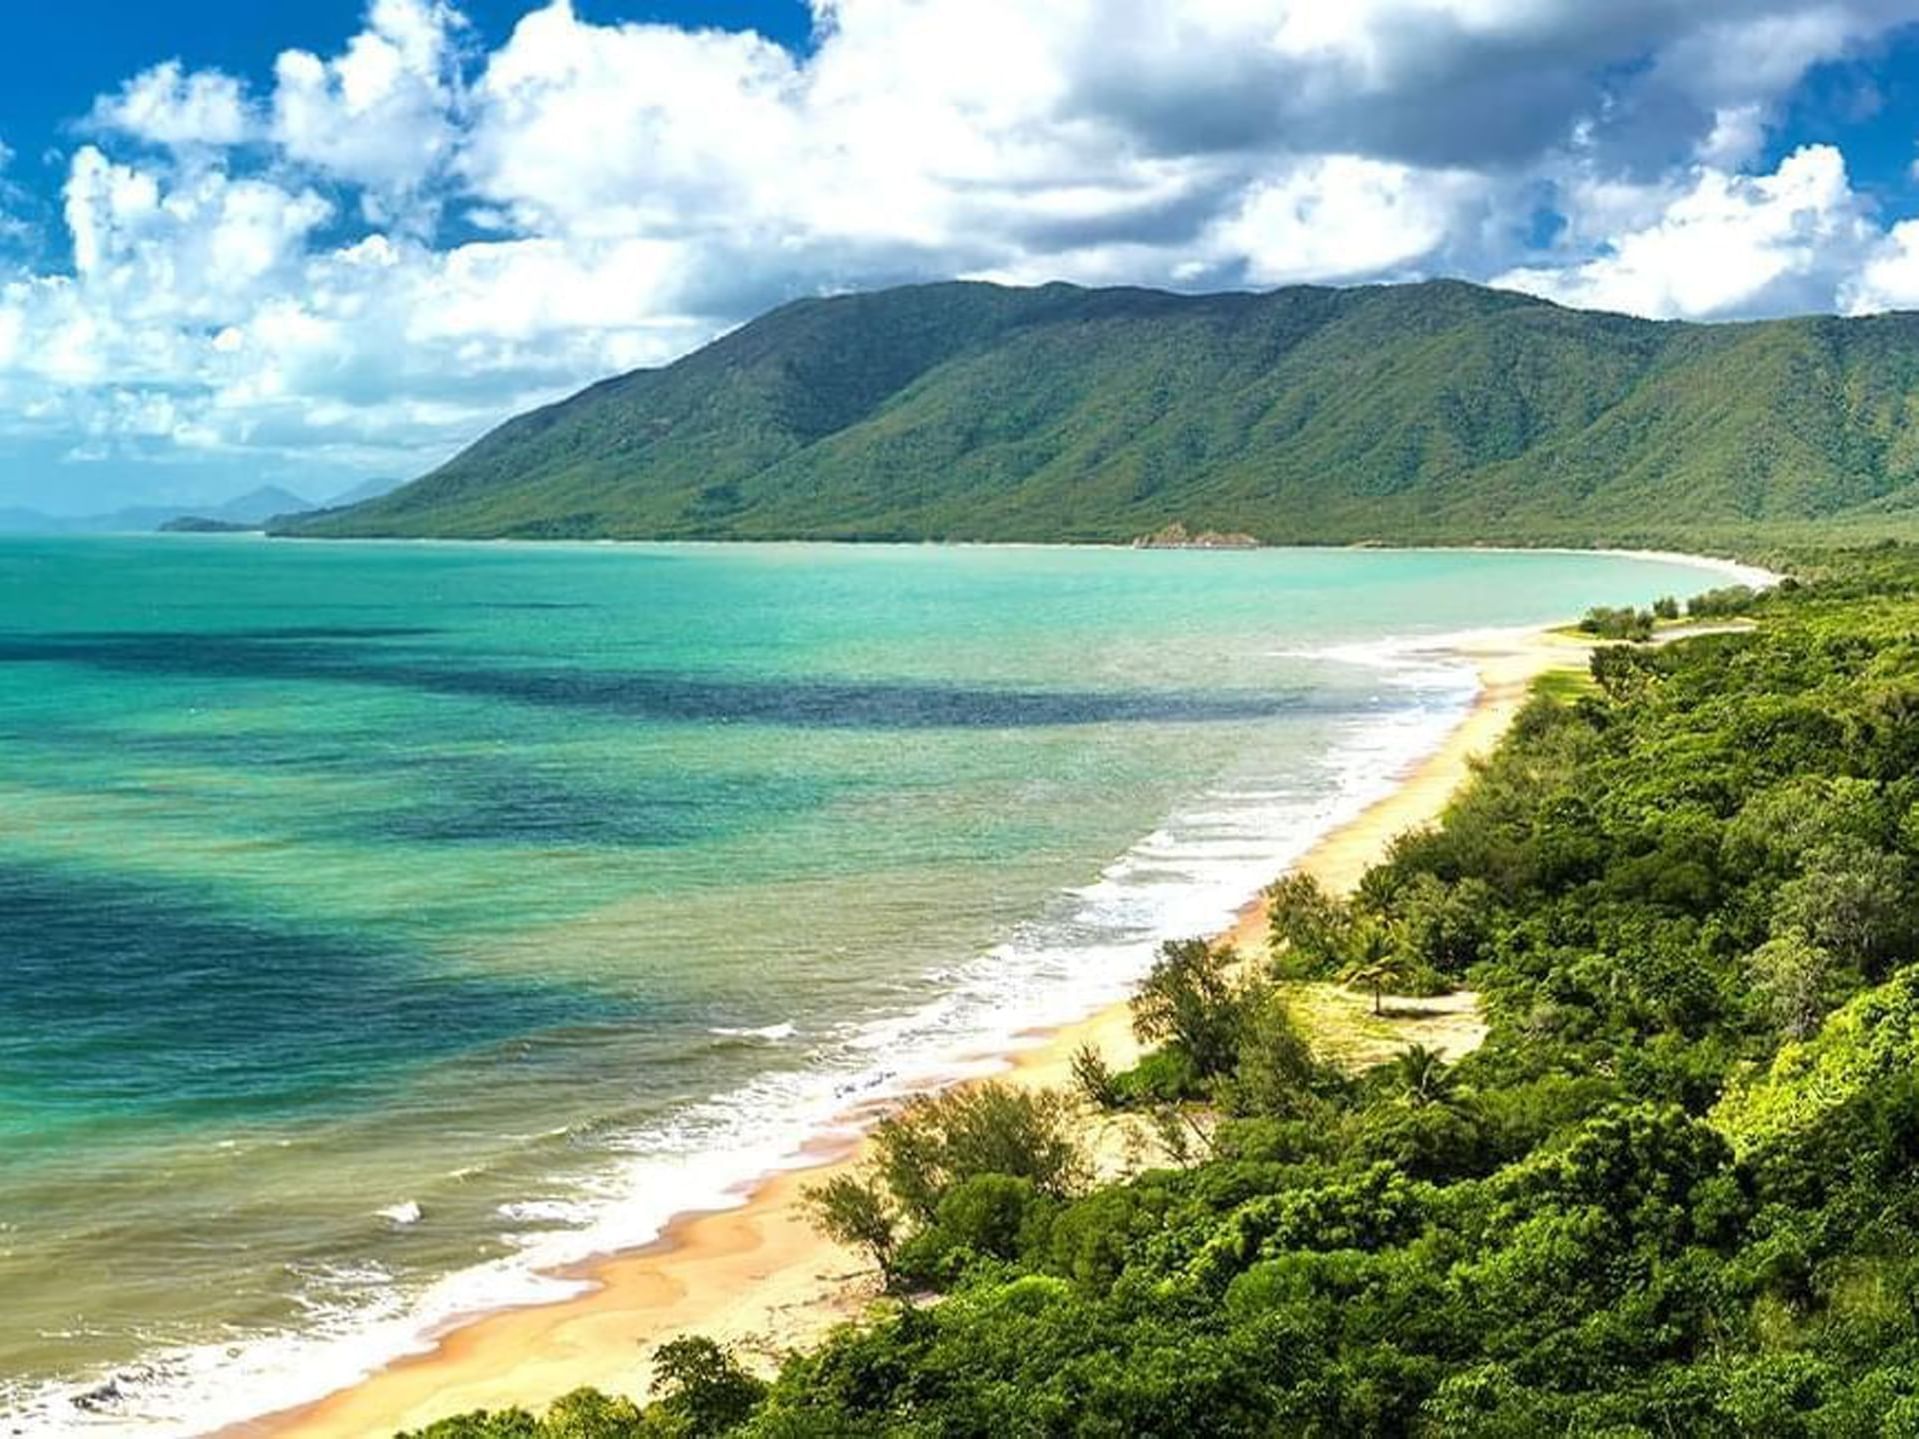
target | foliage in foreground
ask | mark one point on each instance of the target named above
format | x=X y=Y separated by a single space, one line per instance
x=1675 y=1192
x=699 y=1389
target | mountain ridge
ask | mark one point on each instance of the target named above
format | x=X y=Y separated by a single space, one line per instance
x=248 y=511
x=1441 y=411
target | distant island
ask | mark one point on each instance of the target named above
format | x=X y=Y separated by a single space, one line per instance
x=251 y=511
x=1442 y=412
x=202 y=525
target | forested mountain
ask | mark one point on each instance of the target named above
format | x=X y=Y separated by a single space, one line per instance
x=1439 y=411
x=248 y=511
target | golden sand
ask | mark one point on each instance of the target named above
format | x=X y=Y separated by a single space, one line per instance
x=759 y=1277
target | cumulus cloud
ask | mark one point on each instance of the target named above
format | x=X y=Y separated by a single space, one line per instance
x=168 y=105
x=379 y=114
x=1889 y=278
x=1341 y=216
x=372 y=253
x=201 y=248
x=12 y=228
x=1727 y=244
x=586 y=130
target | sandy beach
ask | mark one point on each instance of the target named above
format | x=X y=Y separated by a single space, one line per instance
x=757 y=1276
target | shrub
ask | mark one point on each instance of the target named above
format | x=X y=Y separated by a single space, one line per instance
x=1620 y=672
x=1792 y=976
x=1276 y=1073
x=996 y=1214
x=1093 y=1078
x=1307 y=927
x=938 y=1141
x=858 y=1213
x=581 y=1414
x=480 y=1424
x=1445 y=927
x=1721 y=602
x=1163 y=1076
x=1188 y=997
x=990 y=1216
x=1852 y=900
x=1608 y=623
x=1431 y=1142
x=702 y=1386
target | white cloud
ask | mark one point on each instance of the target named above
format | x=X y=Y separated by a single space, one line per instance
x=13 y=229
x=379 y=114
x=378 y=250
x=1738 y=135
x=1340 y=216
x=197 y=247
x=1763 y=54
x=1727 y=244
x=166 y=105
x=1889 y=279
x=590 y=130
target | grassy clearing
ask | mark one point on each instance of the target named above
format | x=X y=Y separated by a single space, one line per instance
x=1343 y=1028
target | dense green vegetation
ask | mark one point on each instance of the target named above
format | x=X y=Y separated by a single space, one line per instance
x=1676 y=1191
x=1440 y=411
x=1608 y=623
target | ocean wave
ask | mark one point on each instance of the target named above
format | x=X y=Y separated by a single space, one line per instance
x=570 y=1212
x=773 y=1033
x=1421 y=662
x=1190 y=875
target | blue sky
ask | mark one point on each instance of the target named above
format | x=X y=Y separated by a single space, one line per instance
x=308 y=242
x=59 y=56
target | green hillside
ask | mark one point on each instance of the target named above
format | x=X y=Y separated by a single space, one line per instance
x=1439 y=411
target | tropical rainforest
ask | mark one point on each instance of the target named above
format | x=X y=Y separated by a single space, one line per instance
x=1430 y=412
x=1674 y=1191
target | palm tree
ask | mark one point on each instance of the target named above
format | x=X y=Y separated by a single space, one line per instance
x=1377 y=961
x=1423 y=1076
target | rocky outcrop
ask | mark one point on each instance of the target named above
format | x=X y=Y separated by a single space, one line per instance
x=1177 y=537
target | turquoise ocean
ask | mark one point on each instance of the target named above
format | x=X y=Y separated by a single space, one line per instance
x=382 y=925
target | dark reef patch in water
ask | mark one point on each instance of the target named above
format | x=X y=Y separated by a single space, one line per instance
x=470 y=799
x=658 y=695
x=488 y=795
x=127 y=999
x=531 y=605
x=76 y=644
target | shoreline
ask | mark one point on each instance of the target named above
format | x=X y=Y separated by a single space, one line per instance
x=756 y=1275
x=1739 y=571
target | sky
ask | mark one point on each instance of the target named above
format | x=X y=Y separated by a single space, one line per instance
x=317 y=241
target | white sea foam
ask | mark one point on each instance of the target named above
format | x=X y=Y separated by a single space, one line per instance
x=773 y=1033
x=405 y=1212
x=1188 y=876
x=546 y=1211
